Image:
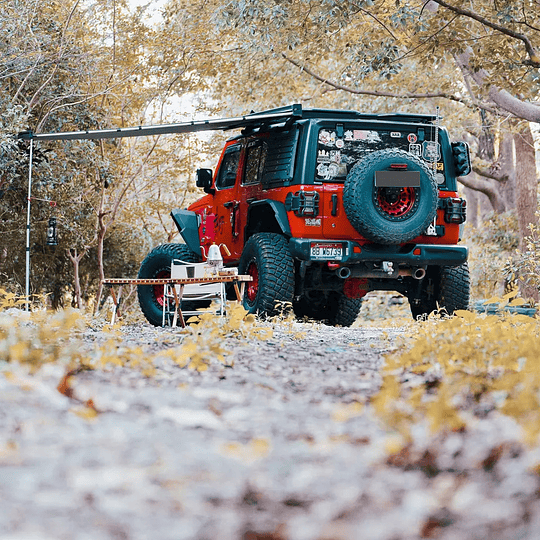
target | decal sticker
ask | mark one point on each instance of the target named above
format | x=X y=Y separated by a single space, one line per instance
x=395 y=134
x=323 y=156
x=313 y=222
x=327 y=138
x=327 y=172
x=412 y=138
x=349 y=135
x=440 y=178
x=431 y=230
x=322 y=170
x=440 y=166
x=364 y=135
x=340 y=143
x=431 y=151
x=415 y=149
x=333 y=170
x=335 y=156
x=373 y=137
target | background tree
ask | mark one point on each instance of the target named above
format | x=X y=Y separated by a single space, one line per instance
x=81 y=65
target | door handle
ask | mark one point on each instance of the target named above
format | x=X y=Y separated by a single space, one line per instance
x=334 y=200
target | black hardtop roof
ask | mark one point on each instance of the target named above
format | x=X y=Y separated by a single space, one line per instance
x=261 y=120
x=341 y=114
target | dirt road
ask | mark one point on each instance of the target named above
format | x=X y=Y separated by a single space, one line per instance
x=276 y=447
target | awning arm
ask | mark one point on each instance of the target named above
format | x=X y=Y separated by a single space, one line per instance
x=272 y=116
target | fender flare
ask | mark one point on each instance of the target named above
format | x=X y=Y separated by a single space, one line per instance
x=267 y=208
x=188 y=226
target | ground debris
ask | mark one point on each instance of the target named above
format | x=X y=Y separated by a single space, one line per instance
x=275 y=443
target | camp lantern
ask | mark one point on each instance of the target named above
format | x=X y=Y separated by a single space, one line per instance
x=52 y=234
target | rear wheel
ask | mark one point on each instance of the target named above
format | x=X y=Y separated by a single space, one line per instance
x=344 y=310
x=156 y=265
x=335 y=310
x=268 y=260
x=446 y=288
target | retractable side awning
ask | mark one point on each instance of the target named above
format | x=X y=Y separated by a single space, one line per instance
x=273 y=116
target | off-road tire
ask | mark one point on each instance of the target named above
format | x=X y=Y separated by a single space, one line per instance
x=157 y=264
x=381 y=223
x=267 y=258
x=445 y=288
x=344 y=310
x=336 y=310
x=315 y=310
x=454 y=288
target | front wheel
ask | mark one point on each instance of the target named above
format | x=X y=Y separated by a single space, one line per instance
x=157 y=265
x=268 y=260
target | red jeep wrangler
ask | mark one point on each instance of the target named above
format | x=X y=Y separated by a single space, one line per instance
x=322 y=206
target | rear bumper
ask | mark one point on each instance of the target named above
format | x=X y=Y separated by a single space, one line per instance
x=408 y=254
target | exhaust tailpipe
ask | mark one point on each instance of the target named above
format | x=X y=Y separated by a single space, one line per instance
x=415 y=273
x=343 y=272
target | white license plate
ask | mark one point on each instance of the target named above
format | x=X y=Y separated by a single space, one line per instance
x=333 y=252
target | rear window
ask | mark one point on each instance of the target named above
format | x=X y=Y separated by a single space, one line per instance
x=337 y=153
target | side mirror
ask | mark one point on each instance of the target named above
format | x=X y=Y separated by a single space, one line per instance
x=462 y=158
x=204 y=180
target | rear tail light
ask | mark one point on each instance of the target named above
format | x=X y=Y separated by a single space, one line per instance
x=303 y=203
x=455 y=209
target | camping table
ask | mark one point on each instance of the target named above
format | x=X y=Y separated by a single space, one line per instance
x=113 y=282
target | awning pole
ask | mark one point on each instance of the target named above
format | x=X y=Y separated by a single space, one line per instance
x=28 y=227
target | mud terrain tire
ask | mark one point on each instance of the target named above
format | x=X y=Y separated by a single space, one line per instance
x=344 y=310
x=337 y=310
x=157 y=264
x=389 y=215
x=267 y=258
x=446 y=288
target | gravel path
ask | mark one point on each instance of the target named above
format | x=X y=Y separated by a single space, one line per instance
x=276 y=447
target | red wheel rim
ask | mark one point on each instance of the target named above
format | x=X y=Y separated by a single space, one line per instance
x=252 y=286
x=158 y=289
x=394 y=203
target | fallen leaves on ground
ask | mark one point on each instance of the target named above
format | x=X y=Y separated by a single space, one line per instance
x=463 y=367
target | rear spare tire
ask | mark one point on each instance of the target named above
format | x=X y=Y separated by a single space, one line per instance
x=157 y=264
x=390 y=214
x=268 y=260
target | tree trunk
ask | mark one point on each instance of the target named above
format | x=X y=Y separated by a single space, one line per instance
x=507 y=189
x=526 y=193
x=471 y=197
x=76 y=259
x=526 y=184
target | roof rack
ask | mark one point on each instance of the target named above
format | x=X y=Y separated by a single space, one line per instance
x=253 y=120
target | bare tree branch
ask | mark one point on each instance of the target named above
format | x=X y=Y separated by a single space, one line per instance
x=366 y=12
x=534 y=55
x=502 y=98
x=406 y=95
x=487 y=188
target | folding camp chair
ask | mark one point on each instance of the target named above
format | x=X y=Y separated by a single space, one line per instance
x=192 y=292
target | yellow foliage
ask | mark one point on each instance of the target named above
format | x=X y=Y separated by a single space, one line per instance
x=467 y=359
